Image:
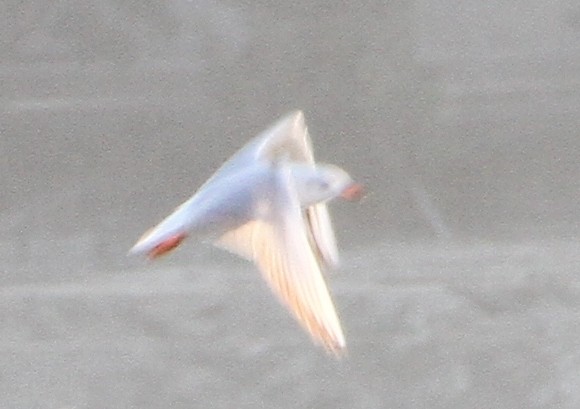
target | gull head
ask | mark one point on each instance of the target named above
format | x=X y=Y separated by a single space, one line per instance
x=320 y=183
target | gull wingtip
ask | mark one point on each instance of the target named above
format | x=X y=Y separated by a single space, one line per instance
x=337 y=349
x=296 y=116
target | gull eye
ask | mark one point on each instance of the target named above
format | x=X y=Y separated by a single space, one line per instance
x=318 y=185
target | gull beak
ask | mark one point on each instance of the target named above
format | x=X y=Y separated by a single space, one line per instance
x=353 y=192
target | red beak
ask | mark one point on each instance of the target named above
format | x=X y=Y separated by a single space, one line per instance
x=353 y=192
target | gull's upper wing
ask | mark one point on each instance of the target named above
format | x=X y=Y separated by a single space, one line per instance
x=287 y=139
x=280 y=247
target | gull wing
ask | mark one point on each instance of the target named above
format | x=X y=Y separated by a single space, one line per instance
x=289 y=139
x=322 y=234
x=286 y=139
x=280 y=247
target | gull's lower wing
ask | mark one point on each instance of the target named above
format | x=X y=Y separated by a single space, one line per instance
x=282 y=251
x=320 y=227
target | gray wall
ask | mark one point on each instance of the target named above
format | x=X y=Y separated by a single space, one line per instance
x=459 y=287
x=460 y=118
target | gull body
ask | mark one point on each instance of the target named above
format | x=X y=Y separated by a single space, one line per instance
x=267 y=204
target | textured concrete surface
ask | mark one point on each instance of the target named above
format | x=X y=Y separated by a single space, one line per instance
x=478 y=325
x=460 y=280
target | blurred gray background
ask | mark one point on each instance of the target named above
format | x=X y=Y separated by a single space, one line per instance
x=460 y=283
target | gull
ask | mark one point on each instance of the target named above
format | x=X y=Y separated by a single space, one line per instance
x=268 y=204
